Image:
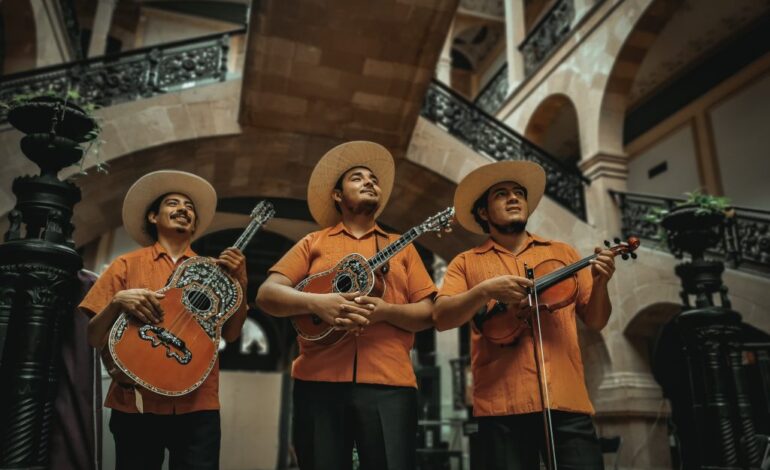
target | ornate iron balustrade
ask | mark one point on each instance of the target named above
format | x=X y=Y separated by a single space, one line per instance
x=132 y=75
x=494 y=93
x=488 y=136
x=746 y=243
x=492 y=8
x=547 y=35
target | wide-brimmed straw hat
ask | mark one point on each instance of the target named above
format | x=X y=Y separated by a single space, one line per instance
x=528 y=174
x=334 y=164
x=153 y=185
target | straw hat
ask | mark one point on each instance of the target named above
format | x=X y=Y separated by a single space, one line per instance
x=528 y=174
x=334 y=164
x=153 y=185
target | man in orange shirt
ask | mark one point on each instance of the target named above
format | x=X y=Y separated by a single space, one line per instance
x=497 y=199
x=162 y=211
x=361 y=389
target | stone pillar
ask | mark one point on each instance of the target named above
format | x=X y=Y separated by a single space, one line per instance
x=444 y=65
x=606 y=172
x=515 y=32
x=102 y=23
x=38 y=278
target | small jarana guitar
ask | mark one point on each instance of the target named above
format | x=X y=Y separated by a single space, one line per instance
x=175 y=356
x=355 y=273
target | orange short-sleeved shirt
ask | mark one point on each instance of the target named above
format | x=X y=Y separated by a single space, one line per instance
x=381 y=352
x=147 y=268
x=505 y=377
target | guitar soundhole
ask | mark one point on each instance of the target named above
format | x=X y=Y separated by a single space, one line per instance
x=343 y=283
x=198 y=300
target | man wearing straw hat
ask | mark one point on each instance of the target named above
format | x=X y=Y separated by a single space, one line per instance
x=497 y=199
x=361 y=389
x=163 y=211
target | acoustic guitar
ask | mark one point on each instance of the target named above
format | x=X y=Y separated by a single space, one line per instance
x=555 y=286
x=355 y=273
x=175 y=356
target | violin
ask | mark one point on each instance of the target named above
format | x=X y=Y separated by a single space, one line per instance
x=555 y=286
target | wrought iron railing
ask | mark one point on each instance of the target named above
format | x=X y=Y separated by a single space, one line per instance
x=488 y=136
x=746 y=243
x=128 y=76
x=492 y=8
x=494 y=93
x=547 y=34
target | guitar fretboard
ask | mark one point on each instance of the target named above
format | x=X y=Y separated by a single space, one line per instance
x=391 y=250
x=252 y=229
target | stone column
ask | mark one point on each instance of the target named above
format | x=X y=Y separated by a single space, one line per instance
x=101 y=28
x=515 y=32
x=606 y=172
x=444 y=65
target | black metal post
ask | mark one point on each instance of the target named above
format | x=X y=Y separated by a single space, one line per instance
x=38 y=278
x=697 y=357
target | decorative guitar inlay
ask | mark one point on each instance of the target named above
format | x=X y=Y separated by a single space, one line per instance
x=160 y=336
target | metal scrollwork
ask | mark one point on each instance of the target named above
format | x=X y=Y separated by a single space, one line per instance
x=490 y=137
x=130 y=75
x=493 y=95
x=547 y=35
x=746 y=240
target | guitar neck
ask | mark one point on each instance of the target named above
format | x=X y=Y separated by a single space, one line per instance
x=394 y=248
x=248 y=234
x=559 y=275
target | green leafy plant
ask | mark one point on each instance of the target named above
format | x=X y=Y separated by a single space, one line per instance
x=95 y=142
x=705 y=204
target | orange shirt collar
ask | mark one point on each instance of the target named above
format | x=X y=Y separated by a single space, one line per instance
x=490 y=244
x=340 y=227
x=158 y=250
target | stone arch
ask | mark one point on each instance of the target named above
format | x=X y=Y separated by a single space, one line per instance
x=642 y=330
x=20 y=36
x=627 y=61
x=130 y=128
x=259 y=163
x=554 y=126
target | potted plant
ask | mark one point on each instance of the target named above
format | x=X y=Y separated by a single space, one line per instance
x=693 y=225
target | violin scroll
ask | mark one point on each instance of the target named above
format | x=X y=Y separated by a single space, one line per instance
x=626 y=248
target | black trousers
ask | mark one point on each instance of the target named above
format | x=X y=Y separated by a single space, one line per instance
x=192 y=440
x=518 y=441
x=330 y=417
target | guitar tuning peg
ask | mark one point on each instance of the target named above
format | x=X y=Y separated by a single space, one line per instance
x=607 y=243
x=616 y=240
x=624 y=256
x=438 y=234
x=448 y=230
x=633 y=255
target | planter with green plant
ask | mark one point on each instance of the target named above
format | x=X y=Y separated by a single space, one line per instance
x=693 y=225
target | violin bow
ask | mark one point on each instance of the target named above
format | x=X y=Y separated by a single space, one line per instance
x=542 y=377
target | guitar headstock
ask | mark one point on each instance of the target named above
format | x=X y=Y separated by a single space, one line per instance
x=441 y=222
x=625 y=249
x=262 y=212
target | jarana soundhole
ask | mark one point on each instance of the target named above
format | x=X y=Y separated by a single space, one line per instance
x=175 y=356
